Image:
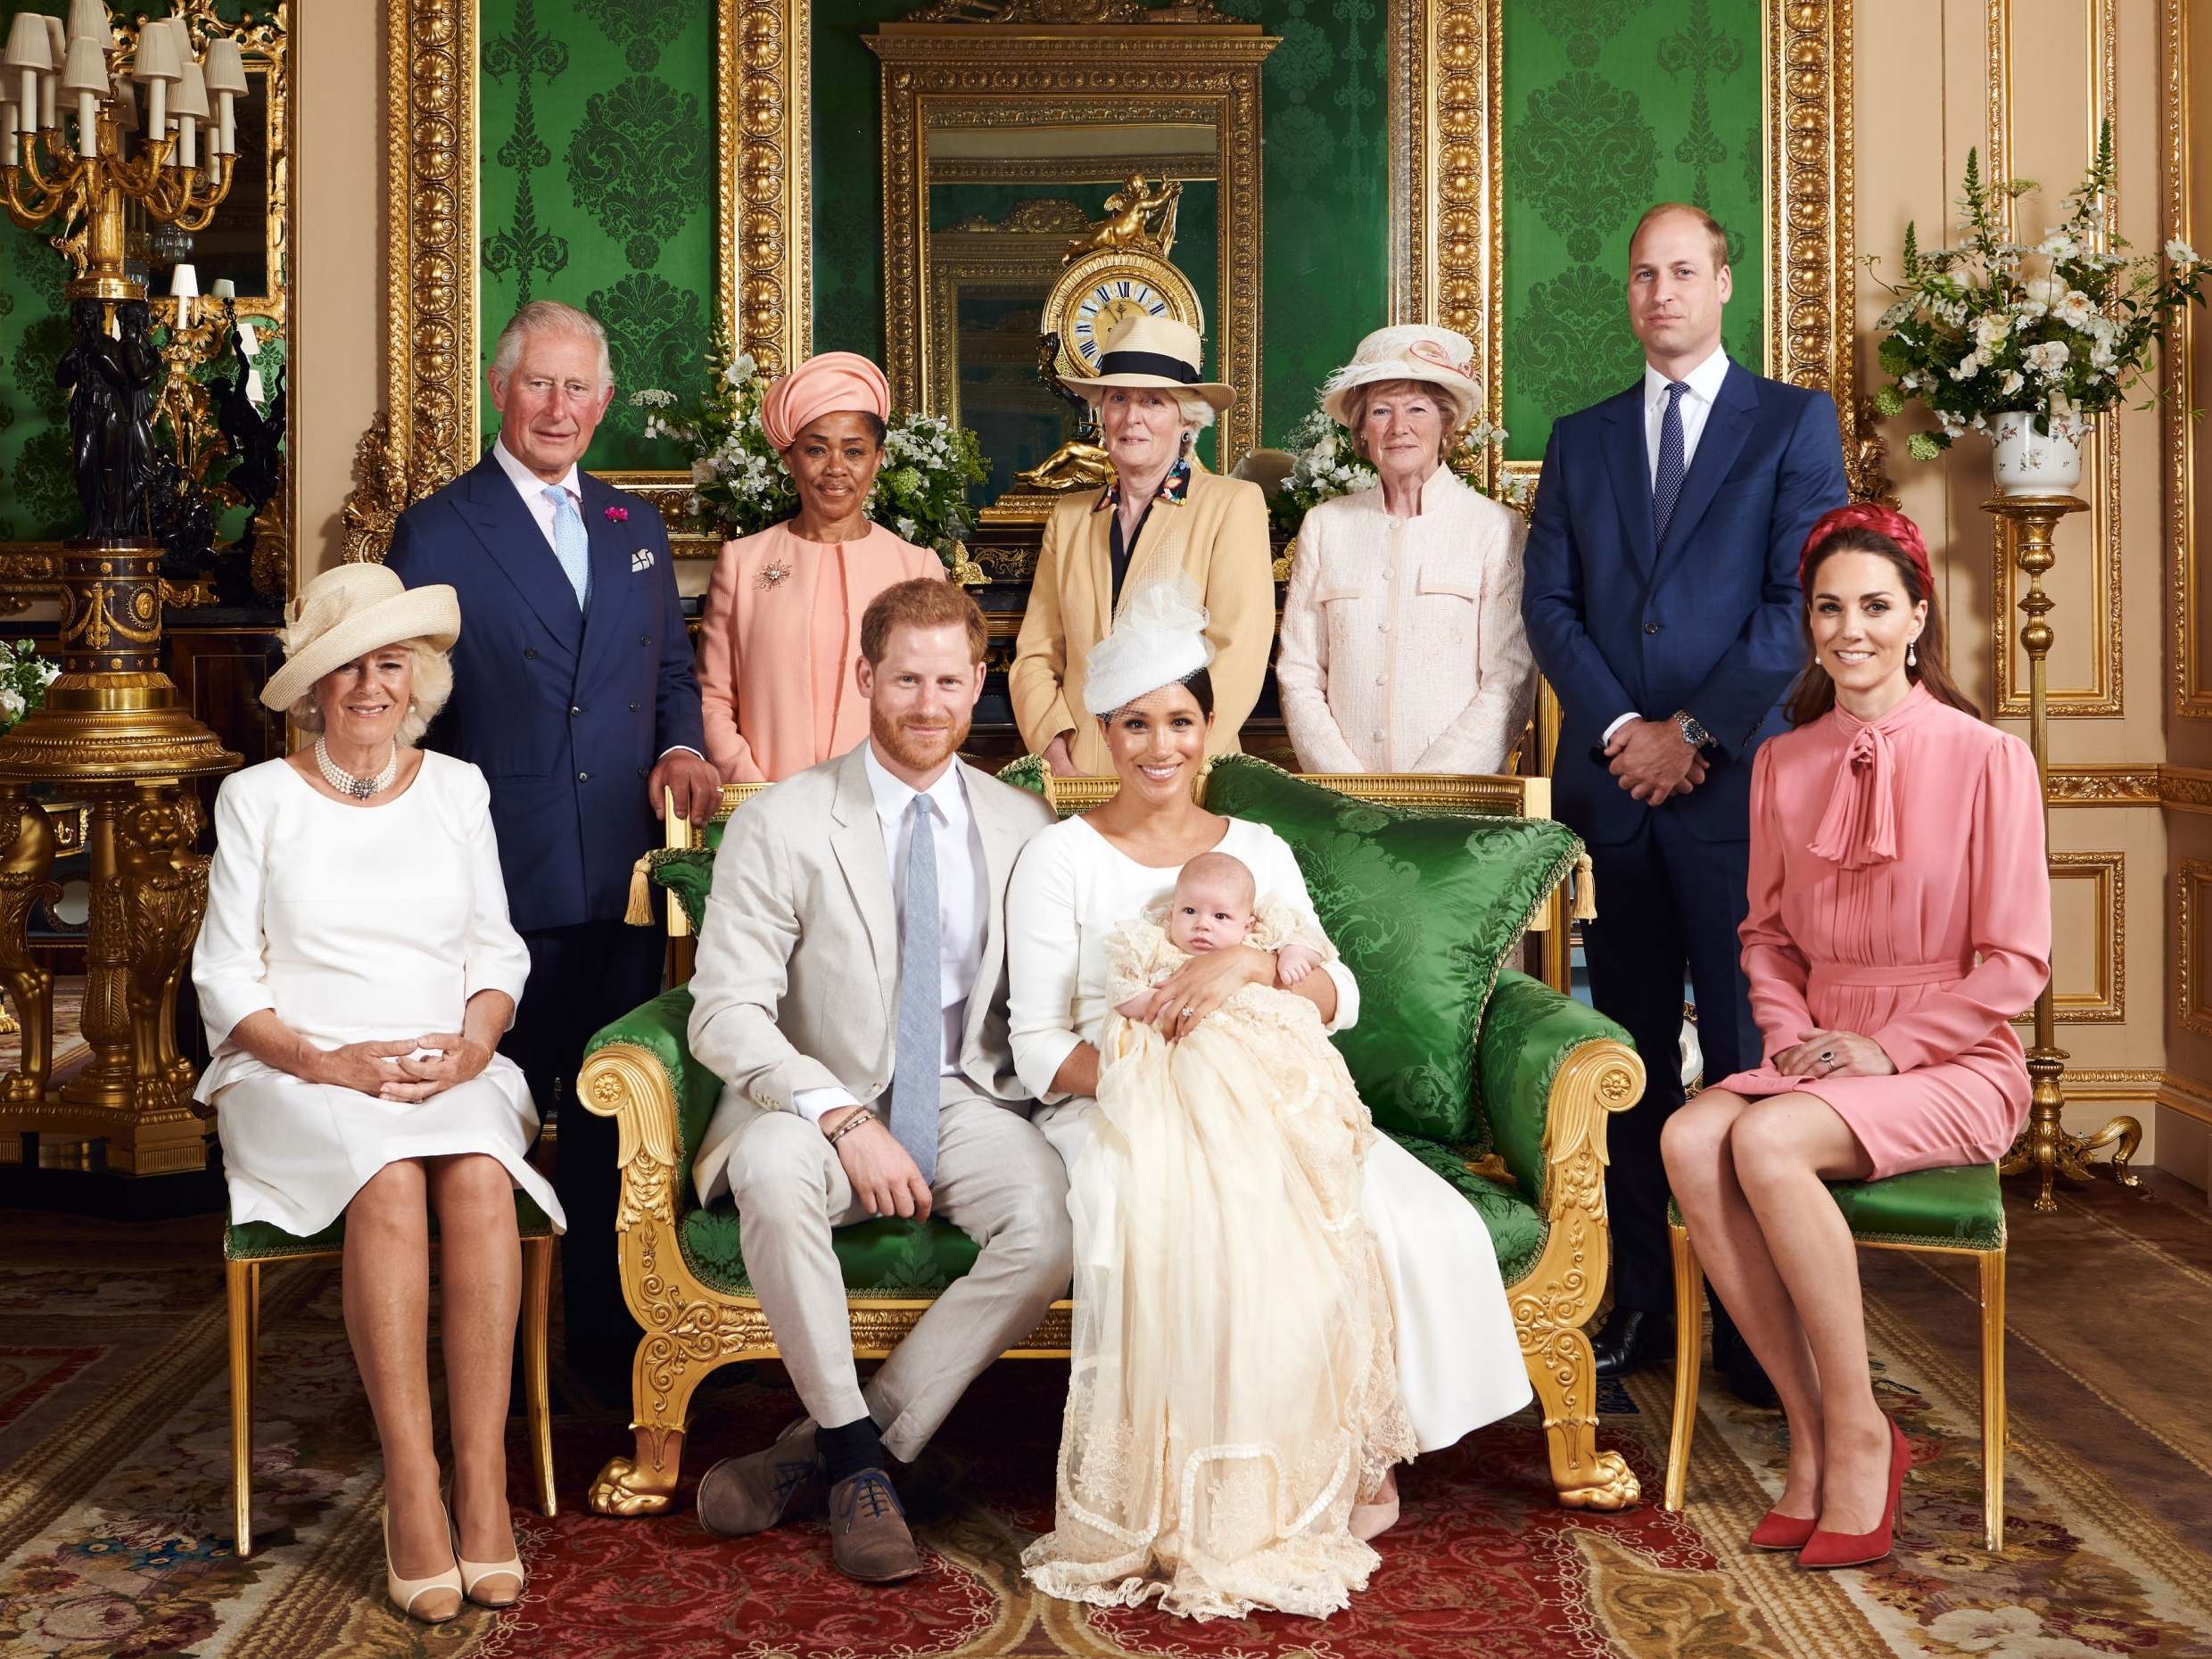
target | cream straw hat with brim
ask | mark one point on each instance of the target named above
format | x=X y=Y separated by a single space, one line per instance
x=349 y=612
x=1443 y=358
x=1148 y=351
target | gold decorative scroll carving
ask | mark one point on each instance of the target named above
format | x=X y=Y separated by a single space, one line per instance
x=2192 y=972
x=2102 y=785
x=2193 y=692
x=2106 y=1004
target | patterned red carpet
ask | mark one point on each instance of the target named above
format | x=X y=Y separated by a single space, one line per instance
x=114 y=1471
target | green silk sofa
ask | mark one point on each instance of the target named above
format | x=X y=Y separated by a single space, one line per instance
x=1545 y=1072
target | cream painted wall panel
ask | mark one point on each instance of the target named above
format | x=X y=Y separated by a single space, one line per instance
x=338 y=202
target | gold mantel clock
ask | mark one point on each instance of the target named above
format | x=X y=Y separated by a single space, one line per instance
x=1100 y=289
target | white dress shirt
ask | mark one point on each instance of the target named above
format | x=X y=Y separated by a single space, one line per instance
x=1704 y=387
x=963 y=903
x=532 y=488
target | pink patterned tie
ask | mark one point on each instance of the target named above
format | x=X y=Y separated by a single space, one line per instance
x=1859 y=826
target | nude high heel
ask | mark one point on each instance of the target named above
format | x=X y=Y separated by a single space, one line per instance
x=475 y=1572
x=404 y=1593
x=1378 y=1514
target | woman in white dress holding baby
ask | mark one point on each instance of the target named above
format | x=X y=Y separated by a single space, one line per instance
x=1274 y=1303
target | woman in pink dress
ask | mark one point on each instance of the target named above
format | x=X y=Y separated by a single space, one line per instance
x=1900 y=918
x=781 y=629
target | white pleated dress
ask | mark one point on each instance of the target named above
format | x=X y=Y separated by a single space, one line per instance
x=1459 y=1363
x=355 y=924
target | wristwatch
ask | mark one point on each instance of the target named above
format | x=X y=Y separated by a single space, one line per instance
x=1693 y=734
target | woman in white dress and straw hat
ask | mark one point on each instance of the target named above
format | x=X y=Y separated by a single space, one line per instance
x=356 y=971
x=1163 y=513
x=1403 y=648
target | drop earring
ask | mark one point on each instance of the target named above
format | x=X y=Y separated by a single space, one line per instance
x=1912 y=658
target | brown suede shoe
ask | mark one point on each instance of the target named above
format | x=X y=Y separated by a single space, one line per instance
x=741 y=1496
x=868 y=1535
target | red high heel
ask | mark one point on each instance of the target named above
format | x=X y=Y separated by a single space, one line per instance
x=1844 y=1549
x=1781 y=1531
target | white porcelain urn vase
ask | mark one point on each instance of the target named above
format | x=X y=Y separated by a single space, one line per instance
x=2029 y=462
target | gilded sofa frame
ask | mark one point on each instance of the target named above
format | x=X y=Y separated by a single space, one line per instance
x=691 y=1328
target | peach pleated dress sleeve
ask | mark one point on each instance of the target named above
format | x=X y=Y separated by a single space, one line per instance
x=777 y=644
x=1899 y=889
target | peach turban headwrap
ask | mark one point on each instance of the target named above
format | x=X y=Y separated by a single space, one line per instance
x=820 y=385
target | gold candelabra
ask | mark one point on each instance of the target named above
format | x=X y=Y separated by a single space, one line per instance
x=2046 y=1146
x=112 y=729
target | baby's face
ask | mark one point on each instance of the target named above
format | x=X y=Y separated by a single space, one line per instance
x=1208 y=914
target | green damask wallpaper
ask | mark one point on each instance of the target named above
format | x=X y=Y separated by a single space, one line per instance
x=1326 y=180
x=596 y=186
x=1611 y=105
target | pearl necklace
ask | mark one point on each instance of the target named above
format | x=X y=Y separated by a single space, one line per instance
x=346 y=783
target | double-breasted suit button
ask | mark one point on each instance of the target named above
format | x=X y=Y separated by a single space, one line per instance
x=1651 y=627
x=583 y=777
x=645 y=639
x=633 y=707
x=641 y=772
x=575 y=709
x=530 y=653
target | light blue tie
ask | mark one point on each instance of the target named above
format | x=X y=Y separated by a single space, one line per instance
x=1666 y=487
x=571 y=545
x=920 y=1057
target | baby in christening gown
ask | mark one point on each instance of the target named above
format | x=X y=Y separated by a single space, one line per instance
x=1234 y=1392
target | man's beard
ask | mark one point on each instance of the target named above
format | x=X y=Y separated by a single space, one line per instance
x=918 y=751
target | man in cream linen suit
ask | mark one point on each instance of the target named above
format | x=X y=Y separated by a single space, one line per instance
x=851 y=994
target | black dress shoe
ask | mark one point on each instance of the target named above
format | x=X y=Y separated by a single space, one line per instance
x=1740 y=1369
x=1632 y=1338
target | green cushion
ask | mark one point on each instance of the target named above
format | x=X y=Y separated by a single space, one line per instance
x=1529 y=1031
x=1517 y=1227
x=264 y=1241
x=1026 y=773
x=1961 y=1208
x=687 y=871
x=1424 y=906
x=887 y=1257
x=1958 y=1208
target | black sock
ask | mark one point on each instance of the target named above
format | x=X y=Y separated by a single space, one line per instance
x=846 y=1451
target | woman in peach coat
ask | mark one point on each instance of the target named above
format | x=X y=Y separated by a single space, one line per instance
x=1899 y=919
x=781 y=629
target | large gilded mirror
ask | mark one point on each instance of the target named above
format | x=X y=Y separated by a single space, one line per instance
x=1007 y=142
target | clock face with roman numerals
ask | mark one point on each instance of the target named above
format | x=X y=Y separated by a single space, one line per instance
x=1096 y=294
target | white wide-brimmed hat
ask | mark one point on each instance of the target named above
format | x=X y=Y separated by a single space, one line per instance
x=1148 y=351
x=350 y=611
x=1159 y=639
x=1442 y=356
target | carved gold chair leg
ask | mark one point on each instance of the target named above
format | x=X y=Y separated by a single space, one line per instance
x=242 y=1292
x=1993 y=1426
x=1565 y=1373
x=1688 y=1354
x=537 y=1394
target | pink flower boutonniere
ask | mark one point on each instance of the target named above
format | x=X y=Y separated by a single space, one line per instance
x=618 y=515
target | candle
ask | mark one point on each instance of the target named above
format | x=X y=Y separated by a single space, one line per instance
x=157 y=109
x=9 y=150
x=229 y=120
x=87 y=129
x=47 y=120
x=188 y=146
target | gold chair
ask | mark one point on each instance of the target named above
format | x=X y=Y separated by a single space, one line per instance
x=247 y=1246
x=1556 y=1079
x=1953 y=1212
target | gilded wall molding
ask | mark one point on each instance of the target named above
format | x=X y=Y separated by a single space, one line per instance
x=2120 y=784
x=763 y=165
x=2104 y=696
x=2191 y=700
x=2192 y=974
x=2185 y=788
x=2106 y=872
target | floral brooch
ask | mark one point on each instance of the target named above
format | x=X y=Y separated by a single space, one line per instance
x=772 y=576
x=618 y=515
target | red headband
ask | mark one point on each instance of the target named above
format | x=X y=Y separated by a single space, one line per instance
x=1882 y=521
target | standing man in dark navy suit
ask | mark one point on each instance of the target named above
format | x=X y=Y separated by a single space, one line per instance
x=1662 y=601
x=573 y=692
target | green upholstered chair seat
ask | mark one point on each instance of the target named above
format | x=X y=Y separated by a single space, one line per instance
x=1958 y=1209
x=1517 y=1227
x=264 y=1241
x=1961 y=1208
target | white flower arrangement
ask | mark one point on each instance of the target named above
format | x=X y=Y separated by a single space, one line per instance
x=2061 y=329
x=24 y=677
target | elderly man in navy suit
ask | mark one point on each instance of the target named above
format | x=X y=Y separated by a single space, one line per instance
x=1662 y=601
x=573 y=692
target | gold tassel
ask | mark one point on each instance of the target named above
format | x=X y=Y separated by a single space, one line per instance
x=640 y=912
x=1585 y=889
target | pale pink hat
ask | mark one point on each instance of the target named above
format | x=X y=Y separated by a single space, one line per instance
x=821 y=385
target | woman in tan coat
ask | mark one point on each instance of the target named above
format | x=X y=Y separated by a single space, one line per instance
x=1403 y=648
x=1163 y=515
